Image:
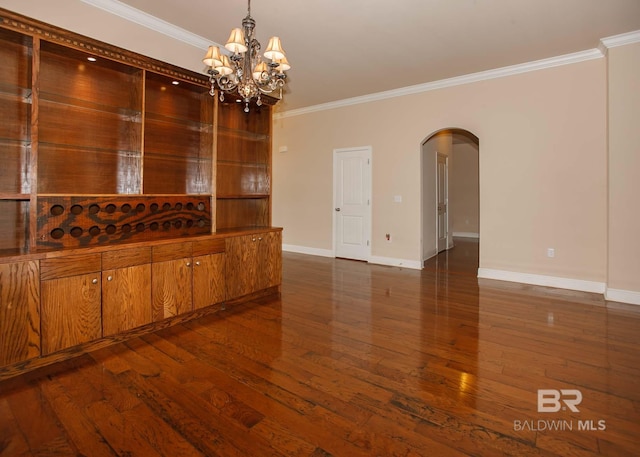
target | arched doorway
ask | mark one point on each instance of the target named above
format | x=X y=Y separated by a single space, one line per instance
x=450 y=190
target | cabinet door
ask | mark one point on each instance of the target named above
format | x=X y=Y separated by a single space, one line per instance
x=71 y=311
x=171 y=283
x=19 y=312
x=241 y=255
x=126 y=298
x=208 y=280
x=269 y=259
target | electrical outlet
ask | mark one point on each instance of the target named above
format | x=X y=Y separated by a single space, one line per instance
x=388 y=237
x=551 y=252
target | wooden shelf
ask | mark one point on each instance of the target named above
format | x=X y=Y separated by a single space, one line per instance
x=17 y=197
x=123 y=125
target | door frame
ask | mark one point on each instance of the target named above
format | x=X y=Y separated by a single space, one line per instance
x=447 y=224
x=367 y=150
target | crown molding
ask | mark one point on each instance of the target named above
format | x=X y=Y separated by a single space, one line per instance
x=151 y=22
x=621 y=40
x=566 y=59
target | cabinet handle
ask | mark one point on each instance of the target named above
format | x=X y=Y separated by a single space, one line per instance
x=260 y=239
x=109 y=278
x=94 y=281
x=188 y=264
x=197 y=264
x=253 y=239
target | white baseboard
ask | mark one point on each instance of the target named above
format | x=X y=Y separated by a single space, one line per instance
x=390 y=261
x=414 y=264
x=541 y=280
x=466 y=235
x=623 y=296
x=307 y=250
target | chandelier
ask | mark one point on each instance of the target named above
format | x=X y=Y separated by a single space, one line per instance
x=243 y=69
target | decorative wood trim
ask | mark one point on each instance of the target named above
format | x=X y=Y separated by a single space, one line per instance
x=34 y=28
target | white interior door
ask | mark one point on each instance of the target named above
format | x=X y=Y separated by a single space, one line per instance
x=352 y=203
x=442 y=180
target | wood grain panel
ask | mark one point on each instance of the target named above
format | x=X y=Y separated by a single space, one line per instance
x=171 y=251
x=71 y=125
x=81 y=221
x=208 y=280
x=178 y=139
x=16 y=119
x=86 y=170
x=247 y=212
x=232 y=116
x=123 y=258
x=62 y=267
x=19 y=312
x=105 y=82
x=71 y=311
x=211 y=246
x=15 y=70
x=239 y=146
x=164 y=174
x=171 y=288
x=241 y=265
x=270 y=259
x=126 y=298
x=242 y=180
x=183 y=101
x=15 y=173
x=14 y=224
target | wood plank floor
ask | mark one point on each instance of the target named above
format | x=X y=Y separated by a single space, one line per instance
x=352 y=360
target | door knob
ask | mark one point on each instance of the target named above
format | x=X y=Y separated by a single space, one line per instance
x=337 y=209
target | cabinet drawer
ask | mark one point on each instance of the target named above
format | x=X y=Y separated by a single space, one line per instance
x=205 y=247
x=171 y=251
x=62 y=267
x=124 y=258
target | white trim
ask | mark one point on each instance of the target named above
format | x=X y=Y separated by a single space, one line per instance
x=466 y=235
x=541 y=280
x=431 y=253
x=390 y=261
x=621 y=40
x=623 y=296
x=151 y=22
x=566 y=59
x=307 y=250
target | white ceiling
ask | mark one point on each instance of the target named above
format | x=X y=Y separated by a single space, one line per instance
x=346 y=48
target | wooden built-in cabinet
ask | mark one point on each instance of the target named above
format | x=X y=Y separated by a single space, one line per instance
x=126 y=289
x=243 y=167
x=254 y=262
x=209 y=273
x=71 y=303
x=19 y=311
x=129 y=196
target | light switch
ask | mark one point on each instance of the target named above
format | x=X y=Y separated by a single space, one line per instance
x=397 y=198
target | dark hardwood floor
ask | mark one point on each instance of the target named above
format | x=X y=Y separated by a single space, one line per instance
x=352 y=360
